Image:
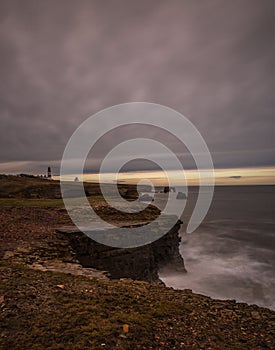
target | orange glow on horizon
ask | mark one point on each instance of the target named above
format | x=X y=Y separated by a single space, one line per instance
x=232 y=176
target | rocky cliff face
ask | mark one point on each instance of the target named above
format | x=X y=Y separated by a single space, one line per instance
x=141 y=263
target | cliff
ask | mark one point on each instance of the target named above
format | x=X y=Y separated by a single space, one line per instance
x=141 y=263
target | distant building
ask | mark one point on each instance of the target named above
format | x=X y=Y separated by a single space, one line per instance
x=49 y=176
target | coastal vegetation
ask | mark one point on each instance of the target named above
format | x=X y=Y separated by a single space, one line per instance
x=49 y=301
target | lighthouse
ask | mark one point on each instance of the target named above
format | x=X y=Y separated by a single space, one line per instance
x=49 y=173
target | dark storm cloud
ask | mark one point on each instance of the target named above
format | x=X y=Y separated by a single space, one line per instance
x=212 y=60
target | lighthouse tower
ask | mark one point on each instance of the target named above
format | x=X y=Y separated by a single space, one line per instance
x=49 y=173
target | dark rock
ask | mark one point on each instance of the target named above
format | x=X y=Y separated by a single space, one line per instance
x=140 y=263
x=146 y=198
x=169 y=189
x=130 y=194
x=181 y=195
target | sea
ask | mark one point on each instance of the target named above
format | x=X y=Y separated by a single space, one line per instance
x=231 y=255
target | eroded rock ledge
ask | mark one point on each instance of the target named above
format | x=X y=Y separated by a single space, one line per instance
x=141 y=263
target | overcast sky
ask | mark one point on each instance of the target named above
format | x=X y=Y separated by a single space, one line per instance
x=211 y=60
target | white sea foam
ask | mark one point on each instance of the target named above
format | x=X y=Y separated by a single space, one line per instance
x=231 y=256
